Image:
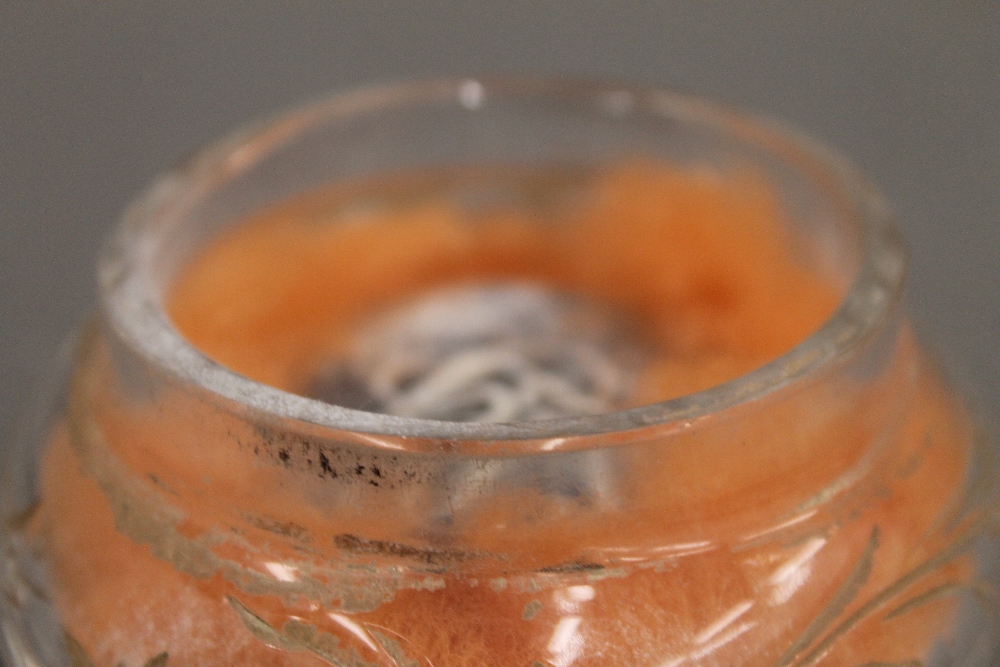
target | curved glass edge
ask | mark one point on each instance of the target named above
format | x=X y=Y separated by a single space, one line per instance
x=131 y=303
x=30 y=629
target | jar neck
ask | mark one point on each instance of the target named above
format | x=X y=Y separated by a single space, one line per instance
x=179 y=463
x=845 y=222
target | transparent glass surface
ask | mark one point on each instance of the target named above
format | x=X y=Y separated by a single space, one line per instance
x=834 y=505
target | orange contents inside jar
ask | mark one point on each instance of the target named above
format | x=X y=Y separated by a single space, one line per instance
x=801 y=549
x=703 y=261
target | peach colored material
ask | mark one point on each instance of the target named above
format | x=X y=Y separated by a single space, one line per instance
x=702 y=262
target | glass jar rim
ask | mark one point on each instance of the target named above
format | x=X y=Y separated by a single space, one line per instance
x=132 y=306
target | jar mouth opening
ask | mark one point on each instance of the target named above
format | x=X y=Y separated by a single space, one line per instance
x=133 y=308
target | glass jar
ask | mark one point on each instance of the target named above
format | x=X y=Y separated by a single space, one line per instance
x=832 y=505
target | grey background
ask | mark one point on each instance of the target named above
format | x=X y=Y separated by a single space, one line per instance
x=95 y=98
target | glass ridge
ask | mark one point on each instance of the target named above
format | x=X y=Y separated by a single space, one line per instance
x=133 y=305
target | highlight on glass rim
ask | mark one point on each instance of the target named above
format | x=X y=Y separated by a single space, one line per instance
x=503 y=373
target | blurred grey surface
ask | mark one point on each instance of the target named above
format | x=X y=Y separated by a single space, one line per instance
x=95 y=98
